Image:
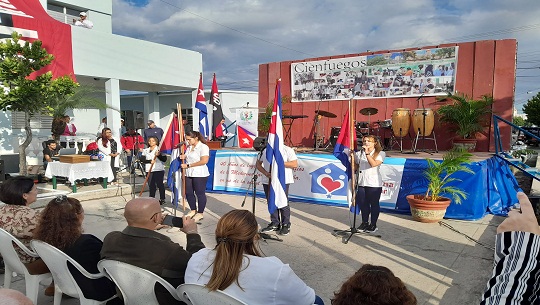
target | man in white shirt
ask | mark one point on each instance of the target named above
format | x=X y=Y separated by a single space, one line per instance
x=281 y=218
x=83 y=21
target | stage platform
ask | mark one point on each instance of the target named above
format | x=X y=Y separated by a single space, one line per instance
x=320 y=179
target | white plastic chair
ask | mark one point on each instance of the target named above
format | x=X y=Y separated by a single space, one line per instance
x=195 y=294
x=136 y=284
x=14 y=265
x=58 y=261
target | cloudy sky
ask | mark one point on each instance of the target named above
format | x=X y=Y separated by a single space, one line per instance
x=235 y=36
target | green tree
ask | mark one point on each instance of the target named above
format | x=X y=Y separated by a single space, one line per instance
x=532 y=110
x=31 y=95
x=519 y=121
x=83 y=97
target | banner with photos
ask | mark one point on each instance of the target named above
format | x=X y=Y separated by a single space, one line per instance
x=397 y=74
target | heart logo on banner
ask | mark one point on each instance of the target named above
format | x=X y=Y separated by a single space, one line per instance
x=330 y=184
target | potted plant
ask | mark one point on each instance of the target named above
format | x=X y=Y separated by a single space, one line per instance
x=467 y=117
x=431 y=206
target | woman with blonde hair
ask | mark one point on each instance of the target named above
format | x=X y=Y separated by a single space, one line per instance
x=237 y=266
x=369 y=183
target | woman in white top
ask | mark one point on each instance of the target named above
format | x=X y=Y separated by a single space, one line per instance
x=368 y=192
x=109 y=148
x=152 y=155
x=196 y=158
x=237 y=266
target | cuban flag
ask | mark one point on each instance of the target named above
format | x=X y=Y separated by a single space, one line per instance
x=342 y=153
x=245 y=138
x=277 y=197
x=174 y=178
x=200 y=103
x=171 y=138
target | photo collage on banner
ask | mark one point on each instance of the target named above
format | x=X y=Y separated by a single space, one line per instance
x=397 y=74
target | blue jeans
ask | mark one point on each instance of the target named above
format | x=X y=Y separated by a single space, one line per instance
x=196 y=186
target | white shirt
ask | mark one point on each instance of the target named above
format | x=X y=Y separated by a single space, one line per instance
x=85 y=23
x=149 y=154
x=106 y=151
x=194 y=154
x=289 y=155
x=265 y=280
x=369 y=176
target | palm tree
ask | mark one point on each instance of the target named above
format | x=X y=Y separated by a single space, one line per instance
x=84 y=97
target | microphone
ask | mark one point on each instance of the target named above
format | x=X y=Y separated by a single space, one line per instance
x=421 y=96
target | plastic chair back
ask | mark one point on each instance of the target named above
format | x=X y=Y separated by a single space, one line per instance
x=136 y=284
x=58 y=261
x=13 y=264
x=195 y=294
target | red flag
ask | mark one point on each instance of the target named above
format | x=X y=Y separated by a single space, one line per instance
x=171 y=138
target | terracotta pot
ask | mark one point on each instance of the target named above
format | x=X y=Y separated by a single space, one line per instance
x=469 y=144
x=427 y=211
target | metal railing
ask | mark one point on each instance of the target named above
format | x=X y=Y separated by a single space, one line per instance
x=508 y=158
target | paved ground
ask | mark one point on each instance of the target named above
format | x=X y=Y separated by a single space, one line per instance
x=440 y=264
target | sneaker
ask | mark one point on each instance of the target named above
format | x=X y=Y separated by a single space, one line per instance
x=161 y=201
x=363 y=226
x=271 y=227
x=285 y=229
x=371 y=228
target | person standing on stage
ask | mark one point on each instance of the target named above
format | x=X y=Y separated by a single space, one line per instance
x=196 y=156
x=152 y=131
x=152 y=155
x=369 y=183
x=109 y=148
x=132 y=143
x=281 y=218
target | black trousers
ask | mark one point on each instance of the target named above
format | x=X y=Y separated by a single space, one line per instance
x=156 y=182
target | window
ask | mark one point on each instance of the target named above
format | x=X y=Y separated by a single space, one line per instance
x=37 y=121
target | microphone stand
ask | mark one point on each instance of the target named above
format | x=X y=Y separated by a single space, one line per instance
x=253 y=184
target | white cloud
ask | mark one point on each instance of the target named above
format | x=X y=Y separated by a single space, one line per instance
x=235 y=36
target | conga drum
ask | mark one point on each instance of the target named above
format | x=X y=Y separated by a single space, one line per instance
x=401 y=121
x=418 y=121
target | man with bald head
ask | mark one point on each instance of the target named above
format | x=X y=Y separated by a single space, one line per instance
x=140 y=245
x=13 y=297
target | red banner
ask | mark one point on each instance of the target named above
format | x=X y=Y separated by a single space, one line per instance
x=27 y=17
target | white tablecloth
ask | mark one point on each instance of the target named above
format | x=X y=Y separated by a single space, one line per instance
x=77 y=171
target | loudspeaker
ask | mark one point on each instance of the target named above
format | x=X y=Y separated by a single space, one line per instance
x=259 y=143
x=134 y=119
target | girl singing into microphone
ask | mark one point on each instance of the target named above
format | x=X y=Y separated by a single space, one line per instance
x=369 y=189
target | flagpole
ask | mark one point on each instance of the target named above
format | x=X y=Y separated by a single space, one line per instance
x=181 y=147
x=352 y=146
x=155 y=156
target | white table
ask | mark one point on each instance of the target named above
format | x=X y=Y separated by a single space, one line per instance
x=80 y=171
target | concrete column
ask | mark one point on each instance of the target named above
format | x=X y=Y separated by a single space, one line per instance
x=153 y=103
x=112 y=97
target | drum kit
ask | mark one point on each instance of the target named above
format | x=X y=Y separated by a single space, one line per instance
x=422 y=120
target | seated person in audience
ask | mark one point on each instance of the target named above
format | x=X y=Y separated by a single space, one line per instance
x=51 y=150
x=374 y=285
x=20 y=220
x=60 y=225
x=13 y=297
x=516 y=268
x=237 y=266
x=138 y=244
